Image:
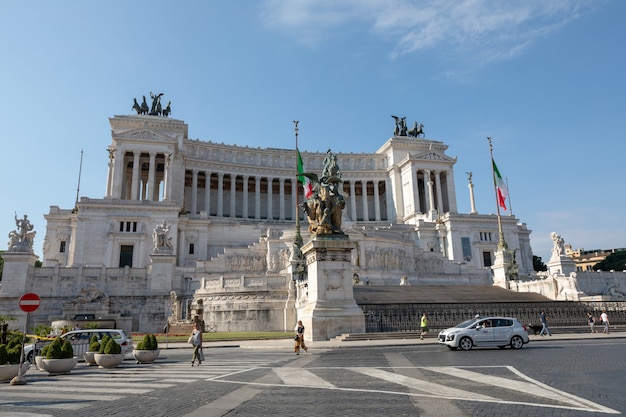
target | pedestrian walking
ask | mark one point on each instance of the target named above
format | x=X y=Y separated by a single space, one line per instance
x=544 y=324
x=196 y=341
x=423 y=326
x=299 y=339
x=592 y=322
x=604 y=319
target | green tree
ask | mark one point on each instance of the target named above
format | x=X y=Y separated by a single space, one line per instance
x=615 y=261
x=538 y=264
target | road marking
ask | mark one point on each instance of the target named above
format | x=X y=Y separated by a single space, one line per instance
x=301 y=377
x=552 y=398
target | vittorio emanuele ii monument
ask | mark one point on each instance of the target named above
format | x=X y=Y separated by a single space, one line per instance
x=192 y=229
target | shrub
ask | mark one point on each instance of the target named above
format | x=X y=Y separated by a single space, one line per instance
x=4 y=355
x=67 y=351
x=103 y=343
x=112 y=347
x=94 y=345
x=149 y=342
x=54 y=349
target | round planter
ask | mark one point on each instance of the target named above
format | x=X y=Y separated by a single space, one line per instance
x=8 y=372
x=39 y=362
x=145 y=356
x=89 y=358
x=59 y=366
x=108 y=360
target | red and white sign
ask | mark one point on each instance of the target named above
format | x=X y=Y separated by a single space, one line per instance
x=29 y=302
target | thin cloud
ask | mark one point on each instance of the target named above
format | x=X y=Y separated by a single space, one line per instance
x=475 y=30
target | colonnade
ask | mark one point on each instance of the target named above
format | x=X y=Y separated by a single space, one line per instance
x=264 y=197
x=138 y=175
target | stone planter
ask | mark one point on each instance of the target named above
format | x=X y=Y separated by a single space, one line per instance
x=8 y=372
x=39 y=362
x=145 y=356
x=59 y=366
x=108 y=360
x=89 y=358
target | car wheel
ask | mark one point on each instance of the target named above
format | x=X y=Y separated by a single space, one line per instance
x=517 y=342
x=31 y=357
x=465 y=343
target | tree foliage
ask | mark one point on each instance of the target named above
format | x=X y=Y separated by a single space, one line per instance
x=538 y=264
x=615 y=261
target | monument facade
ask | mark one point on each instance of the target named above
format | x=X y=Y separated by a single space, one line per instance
x=186 y=222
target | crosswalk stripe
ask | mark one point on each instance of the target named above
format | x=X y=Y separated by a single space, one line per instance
x=301 y=377
x=426 y=386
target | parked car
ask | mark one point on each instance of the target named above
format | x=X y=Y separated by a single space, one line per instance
x=80 y=340
x=485 y=331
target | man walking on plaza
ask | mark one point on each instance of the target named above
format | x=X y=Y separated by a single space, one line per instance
x=544 y=324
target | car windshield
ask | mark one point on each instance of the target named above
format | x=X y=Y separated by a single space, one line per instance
x=468 y=323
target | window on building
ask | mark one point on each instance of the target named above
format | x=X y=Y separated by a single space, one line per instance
x=62 y=247
x=487 y=259
x=192 y=248
x=128 y=226
x=467 y=249
x=485 y=236
x=126 y=256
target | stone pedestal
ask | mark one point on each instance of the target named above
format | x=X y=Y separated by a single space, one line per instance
x=161 y=271
x=330 y=309
x=18 y=267
x=504 y=268
x=561 y=265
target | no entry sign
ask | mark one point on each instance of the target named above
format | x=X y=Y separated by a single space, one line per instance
x=29 y=302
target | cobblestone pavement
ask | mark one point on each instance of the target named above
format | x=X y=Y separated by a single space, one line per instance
x=552 y=377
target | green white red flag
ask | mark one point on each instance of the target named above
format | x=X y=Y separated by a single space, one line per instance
x=306 y=182
x=501 y=190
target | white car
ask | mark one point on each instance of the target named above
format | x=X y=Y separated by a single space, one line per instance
x=485 y=332
x=80 y=340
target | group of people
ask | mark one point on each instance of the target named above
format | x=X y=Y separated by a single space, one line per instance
x=591 y=320
x=604 y=321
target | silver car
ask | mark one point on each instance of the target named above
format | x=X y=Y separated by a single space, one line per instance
x=80 y=341
x=485 y=332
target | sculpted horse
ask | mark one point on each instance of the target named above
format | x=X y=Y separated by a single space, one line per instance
x=144 y=106
x=136 y=106
x=418 y=129
x=167 y=110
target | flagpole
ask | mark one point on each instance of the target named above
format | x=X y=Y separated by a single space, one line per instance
x=501 y=242
x=298 y=237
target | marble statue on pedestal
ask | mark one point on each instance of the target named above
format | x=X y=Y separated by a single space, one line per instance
x=21 y=239
x=161 y=238
x=559 y=245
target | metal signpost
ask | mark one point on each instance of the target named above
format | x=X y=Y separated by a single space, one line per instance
x=29 y=302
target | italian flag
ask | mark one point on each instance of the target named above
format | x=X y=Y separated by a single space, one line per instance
x=306 y=182
x=501 y=189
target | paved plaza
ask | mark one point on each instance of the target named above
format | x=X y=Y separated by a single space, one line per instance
x=566 y=374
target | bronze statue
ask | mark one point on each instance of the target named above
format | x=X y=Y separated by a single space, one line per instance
x=167 y=110
x=324 y=208
x=400 y=129
x=136 y=106
x=155 y=110
x=418 y=129
x=144 y=106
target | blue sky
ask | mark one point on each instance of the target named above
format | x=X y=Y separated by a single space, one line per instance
x=545 y=79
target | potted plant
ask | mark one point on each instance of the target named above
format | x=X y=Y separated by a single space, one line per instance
x=94 y=347
x=147 y=350
x=10 y=358
x=59 y=357
x=110 y=354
